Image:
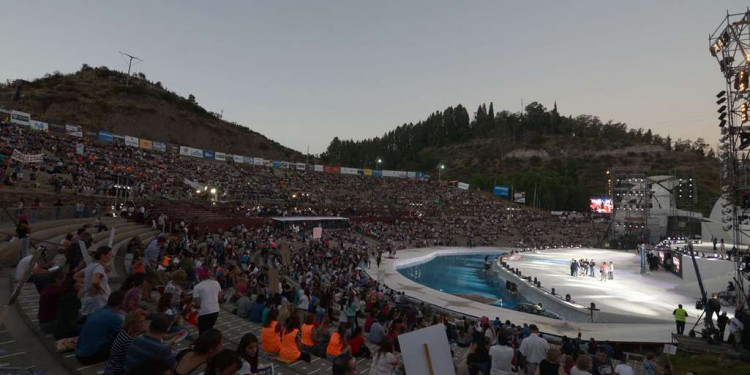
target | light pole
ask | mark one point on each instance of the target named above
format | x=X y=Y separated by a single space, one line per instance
x=440 y=172
x=379 y=162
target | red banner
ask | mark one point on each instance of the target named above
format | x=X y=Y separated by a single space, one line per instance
x=330 y=169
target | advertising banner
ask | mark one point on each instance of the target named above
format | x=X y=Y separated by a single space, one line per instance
x=118 y=140
x=285 y=165
x=57 y=129
x=463 y=186
x=259 y=161
x=207 y=154
x=331 y=169
x=276 y=164
x=238 y=159
x=74 y=130
x=411 y=174
x=131 y=141
x=368 y=172
x=159 y=146
x=192 y=184
x=317 y=233
x=146 y=144
x=189 y=151
x=39 y=126
x=20 y=118
x=300 y=166
x=345 y=170
x=377 y=173
x=501 y=191
x=106 y=137
x=519 y=197
x=89 y=134
x=318 y=168
x=4 y=116
x=249 y=160
x=220 y=156
x=420 y=175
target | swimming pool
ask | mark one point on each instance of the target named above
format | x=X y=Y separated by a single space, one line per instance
x=464 y=275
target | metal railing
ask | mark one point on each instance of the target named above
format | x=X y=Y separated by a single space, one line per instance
x=41 y=214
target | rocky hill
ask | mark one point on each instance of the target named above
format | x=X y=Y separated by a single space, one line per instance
x=564 y=159
x=99 y=99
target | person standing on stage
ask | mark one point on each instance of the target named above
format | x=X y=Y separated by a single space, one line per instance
x=573 y=268
x=611 y=271
x=679 y=317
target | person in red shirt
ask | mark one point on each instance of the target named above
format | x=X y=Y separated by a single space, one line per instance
x=357 y=344
x=48 y=301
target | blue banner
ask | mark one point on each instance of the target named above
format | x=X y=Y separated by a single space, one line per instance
x=276 y=164
x=209 y=154
x=502 y=191
x=377 y=173
x=106 y=136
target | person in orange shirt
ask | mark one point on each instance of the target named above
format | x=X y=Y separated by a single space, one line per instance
x=270 y=340
x=308 y=333
x=290 y=342
x=338 y=344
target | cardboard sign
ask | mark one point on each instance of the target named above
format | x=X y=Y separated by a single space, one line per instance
x=427 y=351
x=317 y=233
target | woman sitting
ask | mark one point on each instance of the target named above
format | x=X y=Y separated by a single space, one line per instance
x=194 y=361
x=290 y=342
x=322 y=336
x=338 y=344
x=270 y=339
x=248 y=353
x=308 y=333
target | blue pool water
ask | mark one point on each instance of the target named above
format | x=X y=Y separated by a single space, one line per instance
x=463 y=274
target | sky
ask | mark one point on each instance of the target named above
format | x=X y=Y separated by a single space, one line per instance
x=303 y=72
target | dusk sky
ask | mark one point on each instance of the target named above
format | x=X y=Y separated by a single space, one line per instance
x=302 y=72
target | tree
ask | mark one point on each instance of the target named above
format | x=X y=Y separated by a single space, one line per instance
x=191 y=98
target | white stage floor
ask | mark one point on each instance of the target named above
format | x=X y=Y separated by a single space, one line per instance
x=649 y=296
x=645 y=297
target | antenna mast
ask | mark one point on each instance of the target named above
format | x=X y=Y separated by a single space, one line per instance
x=130 y=64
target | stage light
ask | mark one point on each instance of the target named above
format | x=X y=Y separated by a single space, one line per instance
x=743 y=112
x=721 y=93
x=744 y=137
x=722 y=109
x=741 y=81
x=722 y=100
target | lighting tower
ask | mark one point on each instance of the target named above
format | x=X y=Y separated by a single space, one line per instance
x=730 y=45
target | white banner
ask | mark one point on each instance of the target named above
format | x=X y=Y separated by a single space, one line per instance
x=317 y=233
x=74 y=130
x=318 y=168
x=189 y=151
x=411 y=174
x=345 y=170
x=238 y=159
x=463 y=186
x=220 y=156
x=258 y=161
x=131 y=141
x=20 y=118
x=519 y=197
x=23 y=158
x=300 y=166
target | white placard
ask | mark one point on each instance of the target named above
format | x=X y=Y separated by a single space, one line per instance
x=431 y=342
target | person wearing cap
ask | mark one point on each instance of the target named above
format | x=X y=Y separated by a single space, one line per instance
x=534 y=349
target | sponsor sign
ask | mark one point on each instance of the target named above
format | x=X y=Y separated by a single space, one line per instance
x=519 y=197
x=238 y=159
x=463 y=186
x=58 y=129
x=131 y=141
x=259 y=161
x=106 y=137
x=368 y=172
x=345 y=170
x=20 y=118
x=221 y=156
x=300 y=166
x=318 y=168
x=331 y=169
x=207 y=154
x=24 y=158
x=377 y=173
x=276 y=164
x=40 y=126
x=74 y=130
x=145 y=144
x=411 y=174
x=4 y=116
x=160 y=146
x=501 y=191
x=267 y=163
x=191 y=183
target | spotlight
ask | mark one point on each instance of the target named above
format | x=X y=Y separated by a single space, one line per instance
x=741 y=81
x=722 y=109
x=721 y=100
x=743 y=112
x=744 y=137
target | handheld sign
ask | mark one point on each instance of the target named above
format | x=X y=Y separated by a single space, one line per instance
x=426 y=351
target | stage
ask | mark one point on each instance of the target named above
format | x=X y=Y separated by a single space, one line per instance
x=634 y=307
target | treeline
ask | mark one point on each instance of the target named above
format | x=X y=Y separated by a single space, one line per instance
x=401 y=147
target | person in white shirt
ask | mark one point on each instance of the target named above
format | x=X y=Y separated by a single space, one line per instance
x=206 y=296
x=534 y=348
x=624 y=369
x=502 y=355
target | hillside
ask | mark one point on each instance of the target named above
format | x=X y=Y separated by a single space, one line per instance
x=98 y=98
x=564 y=159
